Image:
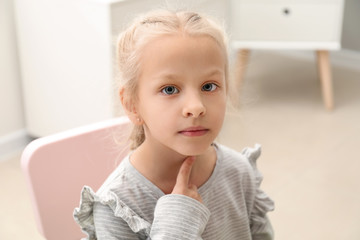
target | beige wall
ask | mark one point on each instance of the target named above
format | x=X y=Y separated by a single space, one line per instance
x=11 y=111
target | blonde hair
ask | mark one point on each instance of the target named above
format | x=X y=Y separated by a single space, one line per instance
x=153 y=25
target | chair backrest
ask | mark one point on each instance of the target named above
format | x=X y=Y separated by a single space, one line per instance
x=56 y=168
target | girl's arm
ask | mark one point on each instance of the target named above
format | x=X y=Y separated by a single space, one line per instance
x=176 y=217
x=110 y=227
x=261 y=228
x=263 y=231
x=179 y=215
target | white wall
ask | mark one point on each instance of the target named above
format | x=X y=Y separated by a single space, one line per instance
x=12 y=121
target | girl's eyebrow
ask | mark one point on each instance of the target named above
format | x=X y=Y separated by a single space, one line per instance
x=215 y=72
x=167 y=77
x=173 y=76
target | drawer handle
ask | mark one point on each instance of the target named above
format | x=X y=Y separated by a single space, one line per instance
x=286 y=11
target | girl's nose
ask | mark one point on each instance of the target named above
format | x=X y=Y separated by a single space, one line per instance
x=193 y=107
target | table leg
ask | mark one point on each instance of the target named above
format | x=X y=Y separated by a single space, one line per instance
x=240 y=67
x=324 y=69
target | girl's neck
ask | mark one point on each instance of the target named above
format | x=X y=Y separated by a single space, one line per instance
x=161 y=166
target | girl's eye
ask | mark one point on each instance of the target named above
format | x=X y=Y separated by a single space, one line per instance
x=169 y=90
x=209 y=87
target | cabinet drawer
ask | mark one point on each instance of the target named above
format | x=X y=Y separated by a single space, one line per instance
x=286 y=22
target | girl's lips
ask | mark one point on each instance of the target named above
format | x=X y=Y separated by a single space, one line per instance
x=194 y=131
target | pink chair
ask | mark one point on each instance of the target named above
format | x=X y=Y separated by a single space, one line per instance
x=58 y=166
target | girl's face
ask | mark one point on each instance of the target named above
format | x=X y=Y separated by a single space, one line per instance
x=182 y=93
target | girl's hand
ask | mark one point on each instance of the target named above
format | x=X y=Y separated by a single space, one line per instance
x=183 y=185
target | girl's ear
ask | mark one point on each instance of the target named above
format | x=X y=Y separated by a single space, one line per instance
x=130 y=108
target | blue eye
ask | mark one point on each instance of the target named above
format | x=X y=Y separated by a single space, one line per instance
x=209 y=87
x=170 y=90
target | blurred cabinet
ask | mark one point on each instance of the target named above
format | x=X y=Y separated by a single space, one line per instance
x=289 y=24
x=67 y=57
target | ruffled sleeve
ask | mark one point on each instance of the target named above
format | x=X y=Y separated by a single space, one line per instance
x=83 y=215
x=260 y=225
x=174 y=216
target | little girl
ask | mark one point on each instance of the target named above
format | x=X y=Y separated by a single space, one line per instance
x=177 y=183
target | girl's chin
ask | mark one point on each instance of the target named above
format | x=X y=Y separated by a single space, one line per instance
x=193 y=151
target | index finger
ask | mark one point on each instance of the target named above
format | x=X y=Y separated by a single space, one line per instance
x=185 y=171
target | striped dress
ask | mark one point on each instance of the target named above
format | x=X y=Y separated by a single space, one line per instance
x=128 y=206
